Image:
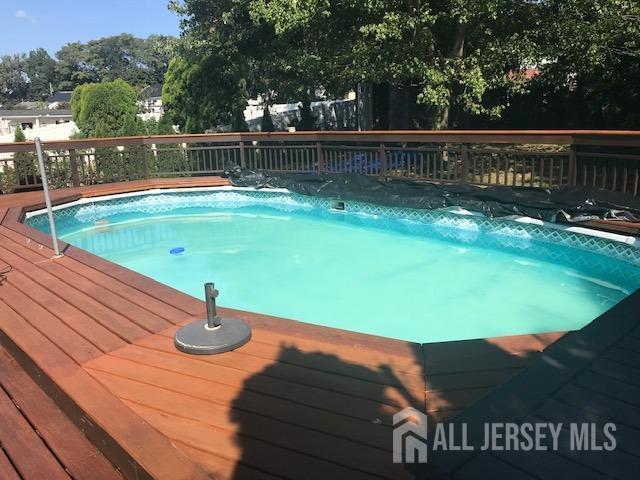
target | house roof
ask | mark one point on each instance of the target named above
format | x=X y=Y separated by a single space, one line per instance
x=61 y=96
x=154 y=90
x=35 y=113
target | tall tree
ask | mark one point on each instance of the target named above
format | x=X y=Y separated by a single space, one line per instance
x=14 y=85
x=137 y=61
x=204 y=90
x=75 y=66
x=41 y=70
x=444 y=55
x=589 y=76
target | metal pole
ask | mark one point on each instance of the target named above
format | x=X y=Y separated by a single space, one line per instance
x=47 y=197
x=210 y=294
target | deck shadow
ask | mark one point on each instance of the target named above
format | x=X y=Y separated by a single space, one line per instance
x=454 y=375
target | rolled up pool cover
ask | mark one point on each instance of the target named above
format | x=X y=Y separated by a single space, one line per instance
x=555 y=204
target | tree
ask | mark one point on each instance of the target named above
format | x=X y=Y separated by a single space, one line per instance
x=589 y=76
x=109 y=109
x=165 y=127
x=24 y=165
x=41 y=71
x=204 y=90
x=443 y=56
x=266 y=124
x=13 y=82
x=137 y=61
x=75 y=66
x=106 y=109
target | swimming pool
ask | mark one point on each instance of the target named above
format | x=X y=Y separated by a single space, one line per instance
x=415 y=275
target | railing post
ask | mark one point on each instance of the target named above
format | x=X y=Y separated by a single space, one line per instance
x=243 y=158
x=464 y=154
x=145 y=162
x=73 y=161
x=382 y=153
x=573 y=165
x=320 y=155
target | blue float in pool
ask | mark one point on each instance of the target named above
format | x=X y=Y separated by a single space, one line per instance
x=176 y=250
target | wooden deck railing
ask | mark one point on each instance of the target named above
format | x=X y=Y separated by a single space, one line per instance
x=606 y=159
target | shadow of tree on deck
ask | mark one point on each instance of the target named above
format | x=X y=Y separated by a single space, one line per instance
x=323 y=416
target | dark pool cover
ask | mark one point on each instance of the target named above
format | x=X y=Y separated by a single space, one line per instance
x=572 y=204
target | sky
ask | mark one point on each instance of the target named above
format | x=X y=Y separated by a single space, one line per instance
x=28 y=24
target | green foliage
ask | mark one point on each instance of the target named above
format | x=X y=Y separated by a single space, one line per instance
x=18 y=135
x=165 y=127
x=13 y=84
x=238 y=122
x=204 y=91
x=442 y=53
x=41 y=71
x=589 y=78
x=24 y=163
x=109 y=109
x=106 y=109
x=140 y=62
x=307 y=119
x=266 y=124
x=137 y=61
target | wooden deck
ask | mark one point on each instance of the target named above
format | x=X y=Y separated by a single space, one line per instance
x=298 y=401
x=37 y=440
x=589 y=376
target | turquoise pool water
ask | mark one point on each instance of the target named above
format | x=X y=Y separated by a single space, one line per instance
x=360 y=272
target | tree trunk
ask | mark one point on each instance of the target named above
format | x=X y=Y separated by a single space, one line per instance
x=399 y=111
x=441 y=117
x=380 y=97
x=364 y=102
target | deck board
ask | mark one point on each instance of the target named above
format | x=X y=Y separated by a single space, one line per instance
x=298 y=401
x=71 y=449
x=37 y=439
x=586 y=377
x=27 y=451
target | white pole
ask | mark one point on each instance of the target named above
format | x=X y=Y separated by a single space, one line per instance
x=47 y=197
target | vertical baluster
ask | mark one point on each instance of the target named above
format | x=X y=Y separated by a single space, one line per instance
x=561 y=181
x=243 y=158
x=73 y=163
x=573 y=165
x=532 y=170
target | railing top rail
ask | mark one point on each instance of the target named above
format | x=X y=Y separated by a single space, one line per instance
x=557 y=137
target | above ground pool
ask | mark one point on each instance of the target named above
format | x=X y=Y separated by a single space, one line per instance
x=415 y=275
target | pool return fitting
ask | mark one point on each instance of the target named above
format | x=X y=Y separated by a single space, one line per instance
x=215 y=334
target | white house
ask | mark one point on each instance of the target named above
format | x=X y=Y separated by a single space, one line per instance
x=152 y=102
x=29 y=119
